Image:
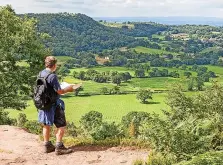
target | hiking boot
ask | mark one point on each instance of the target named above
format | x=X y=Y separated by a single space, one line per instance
x=49 y=147
x=61 y=150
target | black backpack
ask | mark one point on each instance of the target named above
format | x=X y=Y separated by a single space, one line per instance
x=44 y=94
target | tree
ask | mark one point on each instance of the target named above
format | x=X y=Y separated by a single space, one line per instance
x=187 y=74
x=19 y=42
x=126 y=76
x=190 y=84
x=184 y=67
x=143 y=95
x=104 y=90
x=133 y=120
x=91 y=120
x=116 y=79
x=199 y=83
x=81 y=75
x=63 y=71
x=139 y=73
x=77 y=91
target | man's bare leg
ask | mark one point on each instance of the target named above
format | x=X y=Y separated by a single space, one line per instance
x=59 y=134
x=60 y=148
x=46 y=133
x=48 y=146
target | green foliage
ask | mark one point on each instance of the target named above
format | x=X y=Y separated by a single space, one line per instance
x=134 y=120
x=33 y=127
x=78 y=90
x=97 y=129
x=192 y=126
x=138 y=162
x=132 y=130
x=115 y=90
x=104 y=90
x=63 y=71
x=212 y=158
x=106 y=130
x=190 y=86
x=158 y=159
x=117 y=79
x=139 y=73
x=143 y=95
x=19 y=41
x=21 y=120
x=91 y=120
x=5 y=119
x=71 y=33
x=71 y=130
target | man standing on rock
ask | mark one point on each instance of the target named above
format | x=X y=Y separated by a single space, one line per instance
x=55 y=114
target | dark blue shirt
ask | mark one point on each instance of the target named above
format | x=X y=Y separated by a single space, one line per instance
x=52 y=79
x=47 y=117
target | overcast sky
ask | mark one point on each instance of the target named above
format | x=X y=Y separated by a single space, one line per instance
x=121 y=8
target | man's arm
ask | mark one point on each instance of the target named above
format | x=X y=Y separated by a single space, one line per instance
x=70 y=88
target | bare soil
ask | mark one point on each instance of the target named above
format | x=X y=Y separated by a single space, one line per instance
x=18 y=147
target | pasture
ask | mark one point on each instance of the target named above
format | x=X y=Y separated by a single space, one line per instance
x=141 y=49
x=113 y=107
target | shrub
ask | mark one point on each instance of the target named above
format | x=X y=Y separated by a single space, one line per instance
x=133 y=120
x=33 y=127
x=21 y=120
x=71 y=129
x=192 y=126
x=158 y=159
x=136 y=143
x=91 y=120
x=138 y=162
x=104 y=90
x=5 y=119
x=105 y=130
x=143 y=95
x=212 y=158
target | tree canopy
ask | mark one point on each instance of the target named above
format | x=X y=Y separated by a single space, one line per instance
x=21 y=56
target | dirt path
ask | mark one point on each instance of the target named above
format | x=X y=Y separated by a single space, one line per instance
x=17 y=147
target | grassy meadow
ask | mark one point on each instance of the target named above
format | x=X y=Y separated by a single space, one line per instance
x=113 y=107
x=141 y=49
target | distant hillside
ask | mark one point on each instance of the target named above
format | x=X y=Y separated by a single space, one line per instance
x=71 y=33
x=168 y=20
x=77 y=32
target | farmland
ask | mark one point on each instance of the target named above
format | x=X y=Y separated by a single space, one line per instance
x=113 y=107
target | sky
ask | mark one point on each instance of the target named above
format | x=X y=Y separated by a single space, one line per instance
x=121 y=8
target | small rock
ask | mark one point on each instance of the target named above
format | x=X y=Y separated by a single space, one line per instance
x=124 y=161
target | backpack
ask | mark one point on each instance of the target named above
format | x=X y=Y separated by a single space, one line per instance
x=44 y=94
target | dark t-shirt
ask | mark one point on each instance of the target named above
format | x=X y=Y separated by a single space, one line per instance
x=52 y=79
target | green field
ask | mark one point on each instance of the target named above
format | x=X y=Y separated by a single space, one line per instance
x=90 y=87
x=105 y=69
x=219 y=72
x=62 y=59
x=217 y=69
x=161 y=37
x=117 y=25
x=113 y=107
x=156 y=83
x=152 y=51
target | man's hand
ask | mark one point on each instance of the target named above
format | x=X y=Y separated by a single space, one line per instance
x=70 y=88
x=76 y=86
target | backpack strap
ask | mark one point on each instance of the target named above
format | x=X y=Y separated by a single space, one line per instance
x=45 y=77
x=48 y=76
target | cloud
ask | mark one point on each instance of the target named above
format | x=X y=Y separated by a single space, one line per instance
x=115 y=8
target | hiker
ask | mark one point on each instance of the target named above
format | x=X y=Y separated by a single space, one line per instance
x=55 y=114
